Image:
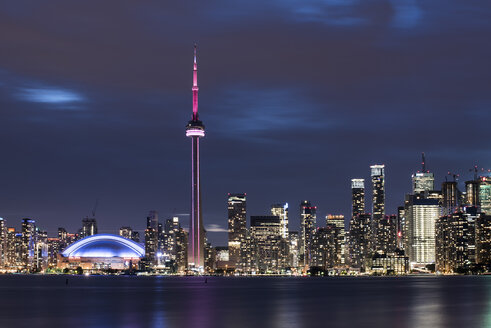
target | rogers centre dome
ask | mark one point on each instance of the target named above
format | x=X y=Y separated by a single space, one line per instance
x=102 y=251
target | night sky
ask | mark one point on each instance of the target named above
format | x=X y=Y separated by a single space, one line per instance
x=297 y=97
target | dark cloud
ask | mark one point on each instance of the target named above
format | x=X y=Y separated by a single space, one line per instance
x=298 y=97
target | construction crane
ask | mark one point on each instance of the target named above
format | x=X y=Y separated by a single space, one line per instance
x=476 y=170
x=95 y=207
x=454 y=175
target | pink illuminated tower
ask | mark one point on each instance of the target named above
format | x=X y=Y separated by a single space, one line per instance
x=195 y=130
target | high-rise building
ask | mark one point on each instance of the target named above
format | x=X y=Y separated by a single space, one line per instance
x=472 y=193
x=3 y=242
x=338 y=222
x=265 y=233
x=89 y=227
x=483 y=239
x=237 y=226
x=325 y=247
x=359 y=240
x=378 y=204
x=28 y=243
x=423 y=181
x=151 y=240
x=450 y=197
x=455 y=240
x=281 y=210
x=385 y=241
x=129 y=233
x=357 y=197
x=485 y=194
x=293 y=249
x=308 y=217
x=195 y=130
x=421 y=215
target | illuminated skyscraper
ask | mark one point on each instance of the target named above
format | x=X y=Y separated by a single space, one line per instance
x=421 y=215
x=151 y=239
x=357 y=197
x=237 y=226
x=359 y=240
x=195 y=130
x=265 y=232
x=308 y=218
x=338 y=222
x=28 y=243
x=378 y=204
x=423 y=181
x=485 y=195
x=450 y=197
x=472 y=193
x=281 y=210
x=89 y=227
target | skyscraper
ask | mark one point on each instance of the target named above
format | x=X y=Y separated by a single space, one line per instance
x=450 y=197
x=195 y=130
x=338 y=222
x=308 y=218
x=151 y=238
x=281 y=210
x=237 y=226
x=89 y=227
x=357 y=197
x=28 y=243
x=378 y=204
x=265 y=231
x=485 y=194
x=423 y=181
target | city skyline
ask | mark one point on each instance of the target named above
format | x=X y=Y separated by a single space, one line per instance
x=103 y=120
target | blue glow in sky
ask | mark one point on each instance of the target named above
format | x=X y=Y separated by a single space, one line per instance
x=49 y=95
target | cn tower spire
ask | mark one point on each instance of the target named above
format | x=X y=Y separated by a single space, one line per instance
x=195 y=87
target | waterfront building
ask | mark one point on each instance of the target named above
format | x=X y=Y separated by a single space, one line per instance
x=195 y=130
x=293 y=246
x=281 y=211
x=357 y=197
x=401 y=222
x=359 y=240
x=102 y=252
x=389 y=263
x=308 y=217
x=338 y=222
x=325 y=247
x=456 y=240
x=247 y=255
x=237 y=226
x=421 y=216
x=3 y=242
x=423 y=181
x=472 y=193
x=266 y=238
x=483 y=239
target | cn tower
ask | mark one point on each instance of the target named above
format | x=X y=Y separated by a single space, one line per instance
x=195 y=130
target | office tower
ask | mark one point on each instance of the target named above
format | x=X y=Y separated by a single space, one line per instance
x=89 y=227
x=237 y=226
x=338 y=222
x=41 y=258
x=281 y=210
x=483 y=239
x=265 y=233
x=423 y=181
x=247 y=254
x=11 y=256
x=325 y=247
x=180 y=245
x=485 y=194
x=357 y=197
x=195 y=130
x=28 y=244
x=450 y=197
x=472 y=193
x=151 y=239
x=359 y=240
x=293 y=249
x=455 y=240
x=308 y=218
x=421 y=215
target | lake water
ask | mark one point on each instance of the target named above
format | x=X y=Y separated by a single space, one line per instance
x=111 y=301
